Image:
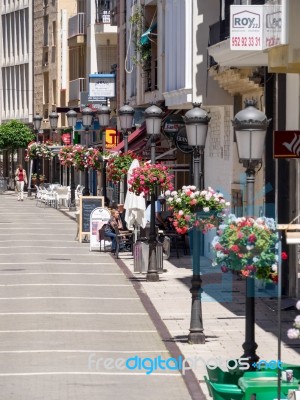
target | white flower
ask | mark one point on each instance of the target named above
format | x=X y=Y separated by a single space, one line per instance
x=167 y=192
x=206 y=209
x=178 y=200
x=293 y=333
x=174 y=193
x=192 y=187
x=227 y=203
x=274 y=268
x=203 y=193
x=197 y=193
x=170 y=199
x=192 y=195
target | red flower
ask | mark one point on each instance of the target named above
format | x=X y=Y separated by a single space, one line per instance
x=284 y=255
x=252 y=238
x=234 y=248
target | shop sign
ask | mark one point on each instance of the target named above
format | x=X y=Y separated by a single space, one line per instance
x=286 y=144
x=111 y=138
x=181 y=141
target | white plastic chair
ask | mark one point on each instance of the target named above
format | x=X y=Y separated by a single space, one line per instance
x=62 y=196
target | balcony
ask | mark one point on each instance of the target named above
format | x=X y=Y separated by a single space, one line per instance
x=77 y=29
x=75 y=88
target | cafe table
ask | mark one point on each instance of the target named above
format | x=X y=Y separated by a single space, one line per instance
x=264 y=387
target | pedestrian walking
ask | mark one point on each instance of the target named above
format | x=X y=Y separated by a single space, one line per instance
x=21 y=179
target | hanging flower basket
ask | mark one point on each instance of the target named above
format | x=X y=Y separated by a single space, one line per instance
x=93 y=160
x=147 y=178
x=194 y=208
x=294 y=333
x=65 y=156
x=249 y=246
x=119 y=164
x=78 y=155
x=38 y=150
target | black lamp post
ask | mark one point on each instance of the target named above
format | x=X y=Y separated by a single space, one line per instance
x=37 y=121
x=250 y=126
x=72 y=118
x=87 y=118
x=196 y=121
x=53 y=118
x=153 y=117
x=126 y=118
x=104 y=118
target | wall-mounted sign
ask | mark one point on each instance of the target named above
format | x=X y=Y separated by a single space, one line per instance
x=182 y=142
x=102 y=86
x=286 y=144
x=257 y=27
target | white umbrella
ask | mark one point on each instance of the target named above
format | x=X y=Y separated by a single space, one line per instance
x=134 y=205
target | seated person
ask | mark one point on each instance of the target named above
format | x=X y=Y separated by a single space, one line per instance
x=112 y=223
x=158 y=209
x=122 y=211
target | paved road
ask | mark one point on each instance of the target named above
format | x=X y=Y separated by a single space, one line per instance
x=64 y=311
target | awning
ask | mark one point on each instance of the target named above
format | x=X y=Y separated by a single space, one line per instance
x=145 y=36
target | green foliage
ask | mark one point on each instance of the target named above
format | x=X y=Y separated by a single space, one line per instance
x=143 y=51
x=15 y=135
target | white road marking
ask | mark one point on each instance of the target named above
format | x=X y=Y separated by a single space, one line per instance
x=19 y=274
x=77 y=330
x=72 y=313
x=62 y=284
x=70 y=298
x=82 y=351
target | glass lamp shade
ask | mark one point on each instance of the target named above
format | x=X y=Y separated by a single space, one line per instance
x=196 y=134
x=72 y=117
x=103 y=115
x=250 y=126
x=250 y=144
x=53 y=118
x=126 y=117
x=196 y=122
x=37 y=121
x=87 y=117
x=153 y=117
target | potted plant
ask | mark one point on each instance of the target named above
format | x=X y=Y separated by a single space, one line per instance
x=147 y=178
x=194 y=208
x=248 y=245
x=42 y=178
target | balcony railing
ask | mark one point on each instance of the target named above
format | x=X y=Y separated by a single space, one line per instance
x=77 y=25
x=76 y=87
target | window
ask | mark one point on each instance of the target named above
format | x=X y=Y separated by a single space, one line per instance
x=54 y=33
x=46 y=23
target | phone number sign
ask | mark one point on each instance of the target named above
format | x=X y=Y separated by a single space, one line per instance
x=246 y=27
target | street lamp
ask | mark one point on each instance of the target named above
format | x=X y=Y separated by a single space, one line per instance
x=37 y=121
x=87 y=118
x=72 y=119
x=153 y=117
x=196 y=121
x=126 y=117
x=53 y=119
x=104 y=117
x=250 y=126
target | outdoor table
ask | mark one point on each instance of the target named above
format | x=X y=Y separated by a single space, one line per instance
x=267 y=385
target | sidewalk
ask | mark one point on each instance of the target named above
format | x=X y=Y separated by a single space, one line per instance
x=223 y=310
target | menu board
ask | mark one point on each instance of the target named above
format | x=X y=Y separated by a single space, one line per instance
x=87 y=205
